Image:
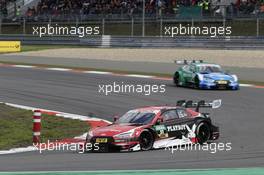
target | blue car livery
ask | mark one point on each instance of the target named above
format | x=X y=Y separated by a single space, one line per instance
x=205 y=76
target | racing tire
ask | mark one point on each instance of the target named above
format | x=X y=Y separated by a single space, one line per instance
x=203 y=133
x=176 y=79
x=196 y=83
x=146 y=140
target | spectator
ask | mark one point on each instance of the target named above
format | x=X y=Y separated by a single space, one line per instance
x=125 y=7
x=3 y=4
x=17 y=13
x=205 y=5
x=246 y=7
x=262 y=8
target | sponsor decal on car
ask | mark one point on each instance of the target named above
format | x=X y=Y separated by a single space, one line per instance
x=161 y=130
x=177 y=128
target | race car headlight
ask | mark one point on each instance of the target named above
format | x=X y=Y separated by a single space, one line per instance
x=89 y=135
x=235 y=79
x=208 y=80
x=123 y=135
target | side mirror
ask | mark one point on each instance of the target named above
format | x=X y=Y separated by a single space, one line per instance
x=159 y=121
x=116 y=117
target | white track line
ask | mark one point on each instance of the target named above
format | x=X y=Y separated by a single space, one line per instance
x=109 y=73
x=18 y=150
x=246 y=85
x=139 y=76
x=23 y=66
x=82 y=137
x=59 y=69
x=57 y=113
x=96 y=72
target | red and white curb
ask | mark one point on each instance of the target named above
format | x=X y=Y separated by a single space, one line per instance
x=57 y=113
x=93 y=121
x=107 y=73
x=18 y=150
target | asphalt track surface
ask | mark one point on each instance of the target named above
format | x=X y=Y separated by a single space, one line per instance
x=252 y=74
x=241 y=120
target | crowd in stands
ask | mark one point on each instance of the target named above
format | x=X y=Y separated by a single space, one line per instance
x=3 y=9
x=247 y=7
x=129 y=7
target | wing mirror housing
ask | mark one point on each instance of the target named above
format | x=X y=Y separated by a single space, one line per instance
x=159 y=121
x=116 y=117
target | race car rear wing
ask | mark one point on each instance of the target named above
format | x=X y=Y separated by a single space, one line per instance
x=200 y=104
x=185 y=62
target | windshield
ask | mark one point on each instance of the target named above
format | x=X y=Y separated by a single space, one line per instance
x=136 y=117
x=209 y=69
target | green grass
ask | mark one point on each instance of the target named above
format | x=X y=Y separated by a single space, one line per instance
x=16 y=127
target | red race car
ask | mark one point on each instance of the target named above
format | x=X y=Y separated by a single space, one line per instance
x=156 y=127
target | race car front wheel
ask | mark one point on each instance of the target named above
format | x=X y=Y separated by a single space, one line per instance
x=196 y=83
x=176 y=79
x=146 y=140
x=203 y=133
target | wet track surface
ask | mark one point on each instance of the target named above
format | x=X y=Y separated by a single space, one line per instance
x=241 y=120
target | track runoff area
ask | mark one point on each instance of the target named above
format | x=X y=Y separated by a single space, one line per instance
x=26 y=93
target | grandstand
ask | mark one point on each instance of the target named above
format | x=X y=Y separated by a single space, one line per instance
x=3 y=9
x=34 y=10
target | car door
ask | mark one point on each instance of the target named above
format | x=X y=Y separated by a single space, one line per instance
x=177 y=122
x=168 y=117
x=189 y=73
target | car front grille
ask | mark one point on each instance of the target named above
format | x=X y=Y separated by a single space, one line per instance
x=109 y=139
x=222 y=84
x=104 y=146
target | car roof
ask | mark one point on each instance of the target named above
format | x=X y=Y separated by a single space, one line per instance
x=157 y=109
x=206 y=64
x=154 y=109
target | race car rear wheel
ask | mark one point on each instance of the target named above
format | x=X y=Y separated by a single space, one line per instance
x=146 y=140
x=203 y=132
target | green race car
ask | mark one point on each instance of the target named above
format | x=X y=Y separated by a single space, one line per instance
x=202 y=75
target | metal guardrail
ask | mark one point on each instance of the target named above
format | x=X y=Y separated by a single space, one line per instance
x=234 y=42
